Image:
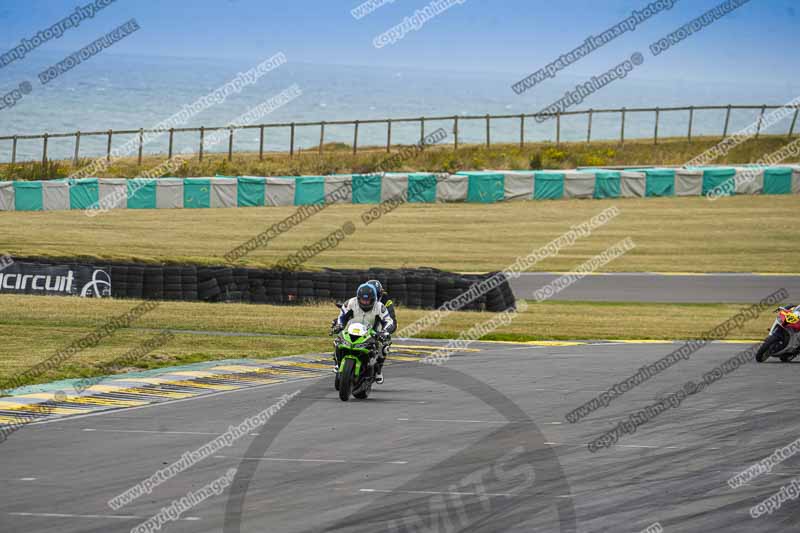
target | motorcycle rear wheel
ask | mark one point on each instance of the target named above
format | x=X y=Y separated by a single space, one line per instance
x=346 y=378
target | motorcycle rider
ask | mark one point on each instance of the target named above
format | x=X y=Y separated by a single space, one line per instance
x=383 y=297
x=368 y=310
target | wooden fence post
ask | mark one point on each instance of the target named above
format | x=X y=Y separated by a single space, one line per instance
x=77 y=148
x=389 y=136
x=455 y=132
x=589 y=129
x=321 y=136
x=727 y=121
x=760 y=120
x=794 y=121
x=108 y=146
x=261 y=143
x=14 y=150
x=291 y=142
x=422 y=131
x=44 y=149
x=230 y=144
x=655 y=133
x=141 y=143
x=691 y=119
x=488 y=134
x=171 y=135
x=558 y=128
x=622 y=128
x=202 y=137
x=355 y=139
x=522 y=131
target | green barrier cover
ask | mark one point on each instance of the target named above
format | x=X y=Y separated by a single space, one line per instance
x=28 y=196
x=485 y=187
x=141 y=194
x=778 y=180
x=721 y=180
x=83 y=193
x=366 y=189
x=421 y=188
x=196 y=193
x=250 y=191
x=659 y=182
x=309 y=190
x=606 y=184
x=548 y=185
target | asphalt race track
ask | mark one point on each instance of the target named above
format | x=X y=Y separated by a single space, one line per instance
x=479 y=444
x=663 y=288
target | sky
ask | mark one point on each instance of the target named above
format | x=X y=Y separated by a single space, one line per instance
x=756 y=41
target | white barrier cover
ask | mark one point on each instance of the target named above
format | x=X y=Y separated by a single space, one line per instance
x=224 y=192
x=518 y=185
x=169 y=193
x=452 y=188
x=115 y=189
x=795 y=179
x=688 y=182
x=632 y=184
x=394 y=186
x=748 y=182
x=279 y=191
x=55 y=195
x=6 y=196
x=579 y=184
x=332 y=183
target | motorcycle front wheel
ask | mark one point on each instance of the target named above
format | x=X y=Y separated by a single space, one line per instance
x=772 y=345
x=346 y=377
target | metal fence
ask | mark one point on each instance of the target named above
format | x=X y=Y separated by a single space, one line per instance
x=456 y=119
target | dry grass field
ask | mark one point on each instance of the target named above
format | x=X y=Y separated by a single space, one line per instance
x=737 y=234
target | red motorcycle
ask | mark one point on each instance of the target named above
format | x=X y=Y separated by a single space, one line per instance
x=783 y=340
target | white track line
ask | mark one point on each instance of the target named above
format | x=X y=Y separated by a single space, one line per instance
x=434 y=492
x=454 y=420
x=289 y=460
x=460 y=421
x=160 y=432
x=117 y=517
x=647 y=446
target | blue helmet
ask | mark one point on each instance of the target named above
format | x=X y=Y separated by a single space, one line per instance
x=378 y=287
x=367 y=296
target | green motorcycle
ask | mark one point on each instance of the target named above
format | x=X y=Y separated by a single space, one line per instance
x=356 y=351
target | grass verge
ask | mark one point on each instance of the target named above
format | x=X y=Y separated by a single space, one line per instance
x=35 y=327
x=688 y=234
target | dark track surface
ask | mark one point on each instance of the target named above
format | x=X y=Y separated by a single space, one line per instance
x=661 y=288
x=673 y=470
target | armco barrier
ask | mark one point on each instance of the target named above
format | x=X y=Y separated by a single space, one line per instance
x=419 y=187
x=425 y=288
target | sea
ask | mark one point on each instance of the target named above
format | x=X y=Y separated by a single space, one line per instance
x=124 y=92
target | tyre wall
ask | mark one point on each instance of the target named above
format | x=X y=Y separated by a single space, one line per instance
x=424 y=288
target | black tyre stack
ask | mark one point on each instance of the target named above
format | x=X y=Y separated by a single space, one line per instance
x=173 y=289
x=338 y=286
x=425 y=288
x=153 y=283
x=414 y=288
x=189 y=283
x=273 y=281
x=119 y=281
x=134 y=282
x=208 y=288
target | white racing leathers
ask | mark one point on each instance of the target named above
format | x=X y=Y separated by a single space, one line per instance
x=378 y=317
